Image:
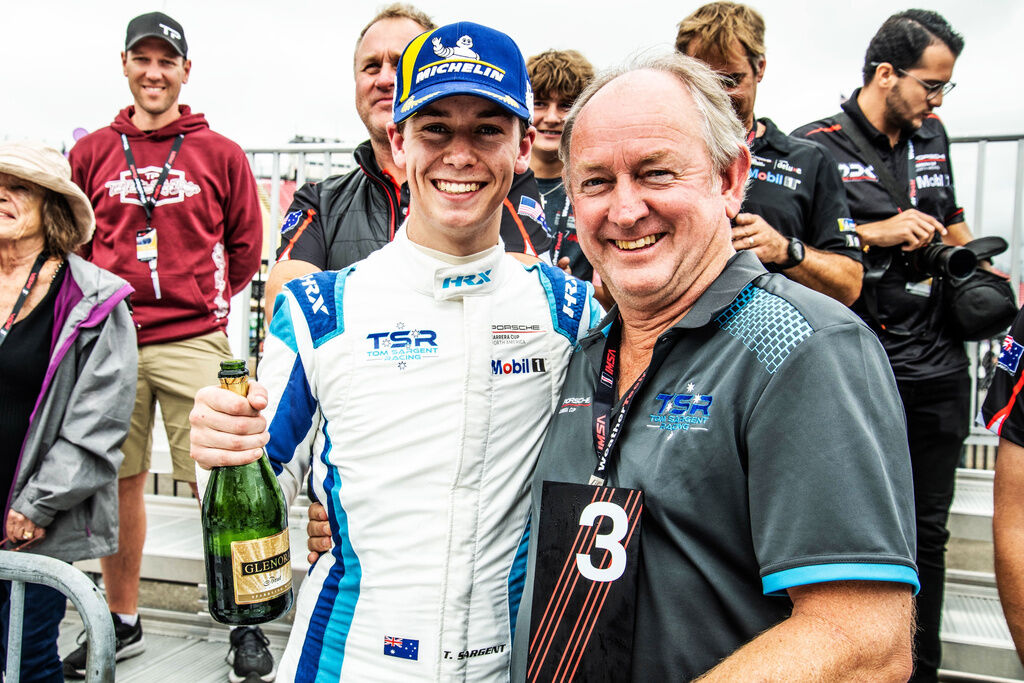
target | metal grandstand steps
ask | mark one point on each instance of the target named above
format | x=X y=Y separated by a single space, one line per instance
x=970 y=516
x=180 y=648
x=976 y=644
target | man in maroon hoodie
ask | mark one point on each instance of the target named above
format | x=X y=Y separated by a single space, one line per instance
x=177 y=215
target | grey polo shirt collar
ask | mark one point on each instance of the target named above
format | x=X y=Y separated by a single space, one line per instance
x=742 y=269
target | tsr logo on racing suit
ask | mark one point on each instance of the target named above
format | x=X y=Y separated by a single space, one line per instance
x=681 y=411
x=521 y=366
x=467 y=280
x=402 y=346
x=400 y=339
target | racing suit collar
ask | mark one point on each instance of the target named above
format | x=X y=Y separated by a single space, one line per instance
x=433 y=273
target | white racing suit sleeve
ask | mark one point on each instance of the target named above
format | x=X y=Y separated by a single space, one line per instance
x=293 y=413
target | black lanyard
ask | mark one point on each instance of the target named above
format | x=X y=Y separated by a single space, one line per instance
x=605 y=439
x=149 y=201
x=911 y=172
x=33 y=275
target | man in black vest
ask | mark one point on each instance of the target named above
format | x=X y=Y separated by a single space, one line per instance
x=907 y=72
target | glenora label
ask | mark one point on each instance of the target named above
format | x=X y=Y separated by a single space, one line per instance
x=261 y=568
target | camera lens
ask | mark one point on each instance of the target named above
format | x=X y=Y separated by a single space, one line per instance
x=943 y=260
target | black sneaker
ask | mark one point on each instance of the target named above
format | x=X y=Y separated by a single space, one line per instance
x=129 y=643
x=249 y=656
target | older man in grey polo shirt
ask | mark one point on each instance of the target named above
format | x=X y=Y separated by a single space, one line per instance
x=760 y=420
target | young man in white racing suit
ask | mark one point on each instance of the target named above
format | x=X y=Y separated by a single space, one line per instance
x=414 y=389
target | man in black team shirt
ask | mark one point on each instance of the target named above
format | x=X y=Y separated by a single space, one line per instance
x=342 y=219
x=795 y=216
x=557 y=77
x=907 y=71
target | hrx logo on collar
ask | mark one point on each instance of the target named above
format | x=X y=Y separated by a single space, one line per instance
x=467 y=280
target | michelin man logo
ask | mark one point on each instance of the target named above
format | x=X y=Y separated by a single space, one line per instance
x=463 y=48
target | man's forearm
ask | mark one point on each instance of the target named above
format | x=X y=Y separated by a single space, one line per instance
x=1007 y=531
x=836 y=275
x=840 y=631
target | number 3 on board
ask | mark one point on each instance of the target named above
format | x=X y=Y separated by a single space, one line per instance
x=609 y=542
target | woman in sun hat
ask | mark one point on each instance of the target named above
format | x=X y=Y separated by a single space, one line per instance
x=67 y=379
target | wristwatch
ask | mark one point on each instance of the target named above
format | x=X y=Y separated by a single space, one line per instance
x=795 y=252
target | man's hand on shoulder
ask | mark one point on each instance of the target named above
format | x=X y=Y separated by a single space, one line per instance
x=910 y=230
x=228 y=429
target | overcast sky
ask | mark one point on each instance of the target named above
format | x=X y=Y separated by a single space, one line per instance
x=265 y=70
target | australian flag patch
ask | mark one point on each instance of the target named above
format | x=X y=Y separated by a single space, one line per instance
x=1009 y=355
x=404 y=648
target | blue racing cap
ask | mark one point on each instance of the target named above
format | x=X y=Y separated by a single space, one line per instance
x=462 y=59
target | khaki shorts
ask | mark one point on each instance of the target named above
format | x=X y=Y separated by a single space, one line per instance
x=171 y=373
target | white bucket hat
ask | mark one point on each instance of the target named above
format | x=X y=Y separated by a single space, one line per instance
x=46 y=167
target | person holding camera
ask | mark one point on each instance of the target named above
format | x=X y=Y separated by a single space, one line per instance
x=893 y=155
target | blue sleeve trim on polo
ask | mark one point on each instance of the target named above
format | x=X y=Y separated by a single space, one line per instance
x=777 y=583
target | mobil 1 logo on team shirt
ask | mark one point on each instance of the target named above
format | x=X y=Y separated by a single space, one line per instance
x=584 y=594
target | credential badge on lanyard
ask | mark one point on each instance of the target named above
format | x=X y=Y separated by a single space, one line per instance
x=145 y=240
x=588 y=547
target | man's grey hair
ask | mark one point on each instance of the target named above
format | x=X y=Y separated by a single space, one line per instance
x=722 y=132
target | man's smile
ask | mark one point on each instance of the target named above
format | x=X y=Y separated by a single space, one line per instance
x=633 y=245
x=457 y=188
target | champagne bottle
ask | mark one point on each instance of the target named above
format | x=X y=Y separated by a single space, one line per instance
x=245 y=534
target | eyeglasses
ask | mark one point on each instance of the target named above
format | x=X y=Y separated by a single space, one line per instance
x=931 y=89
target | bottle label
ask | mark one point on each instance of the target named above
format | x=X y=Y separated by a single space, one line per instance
x=262 y=568
x=239 y=385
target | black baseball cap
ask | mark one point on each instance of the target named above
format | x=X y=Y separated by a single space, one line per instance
x=156 y=25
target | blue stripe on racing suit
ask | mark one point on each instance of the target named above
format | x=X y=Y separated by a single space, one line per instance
x=336 y=603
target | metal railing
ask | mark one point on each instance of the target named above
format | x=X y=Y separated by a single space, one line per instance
x=300 y=162
x=980 y=221
x=22 y=568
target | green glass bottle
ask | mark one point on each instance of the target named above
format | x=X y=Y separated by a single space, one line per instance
x=245 y=534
